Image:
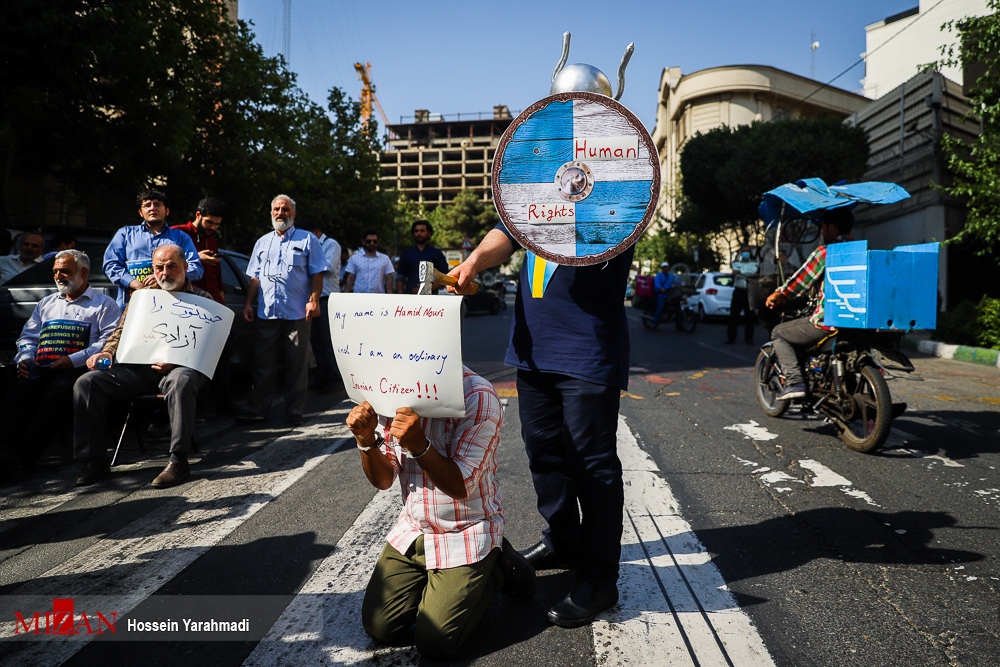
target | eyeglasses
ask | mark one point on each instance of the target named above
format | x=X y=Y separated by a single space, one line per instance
x=371 y=241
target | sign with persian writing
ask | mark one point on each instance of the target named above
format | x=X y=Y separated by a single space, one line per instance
x=400 y=350
x=175 y=328
x=576 y=178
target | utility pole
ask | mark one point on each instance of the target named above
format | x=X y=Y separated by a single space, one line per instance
x=286 y=32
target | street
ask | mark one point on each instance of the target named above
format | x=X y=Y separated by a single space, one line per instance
x=748 y=541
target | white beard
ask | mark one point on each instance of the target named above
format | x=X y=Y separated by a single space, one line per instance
x=70 y=286
x=281 y=226
x=168 y=284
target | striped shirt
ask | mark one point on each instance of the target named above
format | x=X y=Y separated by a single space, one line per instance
x=369 y=272
x=803 y=280
x=456 y=532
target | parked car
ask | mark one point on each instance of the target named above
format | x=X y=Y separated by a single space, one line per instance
x=484 y=299
x=20 y=294
x=713 y=296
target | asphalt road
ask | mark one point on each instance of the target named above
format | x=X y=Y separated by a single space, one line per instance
x=749 y=540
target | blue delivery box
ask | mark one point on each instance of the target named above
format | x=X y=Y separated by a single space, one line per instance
x=881 y=289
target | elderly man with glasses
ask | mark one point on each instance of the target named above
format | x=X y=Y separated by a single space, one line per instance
x=370 y=271
x=286 y=268
x=31 y=252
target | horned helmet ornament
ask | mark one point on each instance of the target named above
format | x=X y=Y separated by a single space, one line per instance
x=587 y=78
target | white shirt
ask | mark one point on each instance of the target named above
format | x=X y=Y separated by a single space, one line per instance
x=331 y=279
x=11 y=265
x=370 y=272
x=98 y=310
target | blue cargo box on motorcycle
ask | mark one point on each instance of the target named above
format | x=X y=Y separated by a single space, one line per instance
x=881 y=289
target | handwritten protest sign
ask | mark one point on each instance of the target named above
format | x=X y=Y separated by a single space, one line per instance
x=174 y=328
x=400 y=350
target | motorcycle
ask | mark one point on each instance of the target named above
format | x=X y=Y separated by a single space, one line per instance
x=846 y=374
x=689 y=318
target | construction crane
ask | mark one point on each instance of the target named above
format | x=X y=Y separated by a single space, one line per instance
x=368 y=96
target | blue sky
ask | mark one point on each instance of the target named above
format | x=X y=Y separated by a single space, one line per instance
x=461 y=57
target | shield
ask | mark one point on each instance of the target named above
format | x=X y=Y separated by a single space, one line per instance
x=576 y=178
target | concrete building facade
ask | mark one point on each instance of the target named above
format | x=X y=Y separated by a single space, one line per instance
x=730 y=96
x=898 y=45
x=431 y=159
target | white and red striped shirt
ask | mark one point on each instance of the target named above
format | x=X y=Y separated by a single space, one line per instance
x=456 y=532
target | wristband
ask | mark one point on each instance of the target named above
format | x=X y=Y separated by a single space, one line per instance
x=379 y=441
x=426 y=449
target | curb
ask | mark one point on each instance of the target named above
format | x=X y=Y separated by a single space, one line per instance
x=972 y=355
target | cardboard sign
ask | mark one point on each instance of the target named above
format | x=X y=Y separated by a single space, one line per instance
x=400 y=350
x=61 y=338
x=175 y=328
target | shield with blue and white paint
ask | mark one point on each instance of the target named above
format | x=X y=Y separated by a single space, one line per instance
x=576 y=178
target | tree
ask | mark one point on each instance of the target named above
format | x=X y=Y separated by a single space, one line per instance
x=976 y=168
x=725 y=171
x=466 y=216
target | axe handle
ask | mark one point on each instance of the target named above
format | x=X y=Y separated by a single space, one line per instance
x=444 y=279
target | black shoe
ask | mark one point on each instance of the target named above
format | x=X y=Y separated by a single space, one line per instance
x=518 y=575
x=794 y=391
x=540 y=557
x=582 y=604
x=93 y=470
x=249 y=418
x=296 y=420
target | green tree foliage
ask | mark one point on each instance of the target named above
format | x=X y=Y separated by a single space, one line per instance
x=725 y=171
x=976 y=169
x=667 y=246
x=467 y=215
x=116 y=94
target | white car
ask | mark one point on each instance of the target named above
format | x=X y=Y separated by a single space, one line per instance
x=714 y=295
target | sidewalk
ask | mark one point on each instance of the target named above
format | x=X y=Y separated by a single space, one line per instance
x=920 y=342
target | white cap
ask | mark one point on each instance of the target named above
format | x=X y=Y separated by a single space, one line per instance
x=664 y=264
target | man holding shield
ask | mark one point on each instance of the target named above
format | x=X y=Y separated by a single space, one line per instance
x=93 y=392
x=569 y=342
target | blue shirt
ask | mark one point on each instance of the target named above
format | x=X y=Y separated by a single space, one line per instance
x=663 y=281
x=284 y=266
x=578 y=327
x=408 y=266
x=136 y=243
x=97 y=310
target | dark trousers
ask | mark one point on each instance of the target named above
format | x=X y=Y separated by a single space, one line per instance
x=322 y=346
x=740 y=304
x=569 y=428
x=786 y=337
x=31 y=410
x=668 y=305
x=293 y=335
x=94 y=392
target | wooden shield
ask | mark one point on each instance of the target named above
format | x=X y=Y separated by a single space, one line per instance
x=576 y=178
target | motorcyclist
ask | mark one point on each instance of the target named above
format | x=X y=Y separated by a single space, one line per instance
x=662 y=284
x=835 y=226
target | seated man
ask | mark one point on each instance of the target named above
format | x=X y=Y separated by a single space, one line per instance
x=446 y=557
x=31 y=246
x=64 y=330
x=662 y=284
x=835 y=226
x=94 y=392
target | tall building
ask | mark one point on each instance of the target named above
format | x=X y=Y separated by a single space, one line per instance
x=896 y=47
x=431 y=159
x=730 y=96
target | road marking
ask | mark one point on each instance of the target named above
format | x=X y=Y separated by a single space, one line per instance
x=752 y=431
x=898 y=440
x=823 y=476
x=674 y=603
x=728 y=353
x=130 y=565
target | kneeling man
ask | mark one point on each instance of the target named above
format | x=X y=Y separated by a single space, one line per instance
x=94 y=391
x=446 y=557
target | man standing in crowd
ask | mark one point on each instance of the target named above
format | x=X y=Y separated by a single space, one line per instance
x=408 y=267
x=569 y=342
x=128 y=259
x=65 y=329
x=327 y=379
x=370 y=271
x=31 y=246
x=743 y=267
x=60 y=241
x=202 y=229
x=94 y=392
x=286 y=268
x=446 y=557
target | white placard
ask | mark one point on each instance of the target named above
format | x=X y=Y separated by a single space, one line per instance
x=175 y=328
x=605 y=148
x=400 y=350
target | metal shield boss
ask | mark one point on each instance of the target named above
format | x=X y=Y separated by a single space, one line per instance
x=576 y=178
